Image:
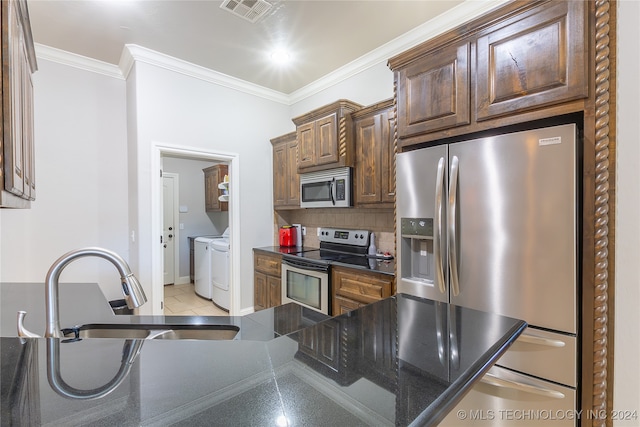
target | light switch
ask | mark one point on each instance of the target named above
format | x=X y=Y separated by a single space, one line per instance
x=181 y=226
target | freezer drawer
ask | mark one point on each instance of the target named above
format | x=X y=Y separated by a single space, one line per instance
x=505 y=398
x=544 y=354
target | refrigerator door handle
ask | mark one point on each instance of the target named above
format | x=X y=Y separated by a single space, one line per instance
x=437 y=235
x=534 y=339
x=453 y=249
x=493 y=380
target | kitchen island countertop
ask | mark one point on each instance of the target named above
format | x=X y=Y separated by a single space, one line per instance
x=400 y=361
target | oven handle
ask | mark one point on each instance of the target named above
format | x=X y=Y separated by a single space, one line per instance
x=306 y=265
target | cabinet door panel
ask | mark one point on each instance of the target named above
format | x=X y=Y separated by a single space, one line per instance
x=535 y=61
x=292 y=184
x=306 y=145
x=280 y=175
x=13 y=110
x=274 y=288
x=433 y=93
x=329 y=343
x=388 y=161
x=259 y=291
x=326 y=143
x=368 y=139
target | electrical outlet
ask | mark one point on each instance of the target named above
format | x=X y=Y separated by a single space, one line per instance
x=304 y=231
x=181 y=226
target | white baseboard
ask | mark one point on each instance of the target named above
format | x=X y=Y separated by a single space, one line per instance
x=183 y=280
x=246 y=311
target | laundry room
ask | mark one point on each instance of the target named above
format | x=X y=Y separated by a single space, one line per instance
x=195 y=236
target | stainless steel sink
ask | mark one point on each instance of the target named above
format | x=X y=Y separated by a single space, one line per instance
x=151 y=331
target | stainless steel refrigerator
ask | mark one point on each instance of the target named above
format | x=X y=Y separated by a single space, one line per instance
x=492 y=224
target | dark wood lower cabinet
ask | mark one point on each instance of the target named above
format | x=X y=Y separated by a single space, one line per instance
x=321 y=342
x=354 y=288
x=343 y=305
x=267 y=284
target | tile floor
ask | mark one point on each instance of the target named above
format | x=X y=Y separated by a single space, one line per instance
x=181 y=300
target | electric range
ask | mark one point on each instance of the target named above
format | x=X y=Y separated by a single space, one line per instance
x=335 y=245
x=306 y=274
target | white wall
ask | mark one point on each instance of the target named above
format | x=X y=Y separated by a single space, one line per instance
x=367 y=87
x=627 y=288
x=81 y=150
x=196 y=221
x=182 y=111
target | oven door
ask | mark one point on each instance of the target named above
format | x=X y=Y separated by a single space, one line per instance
x=306 y=285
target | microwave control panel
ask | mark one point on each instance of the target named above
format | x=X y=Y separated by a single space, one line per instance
x=341 y=189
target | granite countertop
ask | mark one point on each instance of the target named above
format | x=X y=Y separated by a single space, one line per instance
x=287 y=366
x=375 y=265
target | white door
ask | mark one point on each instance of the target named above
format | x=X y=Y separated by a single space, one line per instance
x=169 y=191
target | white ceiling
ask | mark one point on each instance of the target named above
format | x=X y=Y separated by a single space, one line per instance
x=323 y=36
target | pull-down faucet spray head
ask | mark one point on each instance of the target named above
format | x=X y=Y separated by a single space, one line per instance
x=131 y=288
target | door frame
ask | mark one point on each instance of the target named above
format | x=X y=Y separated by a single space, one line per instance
x=233 y=159
x=176 y=220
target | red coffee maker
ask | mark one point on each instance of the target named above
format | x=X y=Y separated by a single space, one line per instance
x=287 y=236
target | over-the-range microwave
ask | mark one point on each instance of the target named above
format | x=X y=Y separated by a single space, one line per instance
x=326 y=189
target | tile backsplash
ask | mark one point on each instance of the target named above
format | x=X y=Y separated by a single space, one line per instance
x=380 y=221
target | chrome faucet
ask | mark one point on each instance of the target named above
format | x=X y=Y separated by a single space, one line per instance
x=131 y=288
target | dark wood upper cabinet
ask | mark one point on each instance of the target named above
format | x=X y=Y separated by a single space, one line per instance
x=374 y=166
x=17 y=168
x=509 y=66
x=532 y=60
x=325 y=138
x=286 y=180
x=433 y=92
x=213 y=176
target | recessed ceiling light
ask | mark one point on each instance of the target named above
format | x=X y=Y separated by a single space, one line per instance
x=280 y=56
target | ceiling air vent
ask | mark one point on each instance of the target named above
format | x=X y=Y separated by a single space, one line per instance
x=251 y=10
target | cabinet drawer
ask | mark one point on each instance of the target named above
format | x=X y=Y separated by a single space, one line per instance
x=366 y=288
x=268 y=264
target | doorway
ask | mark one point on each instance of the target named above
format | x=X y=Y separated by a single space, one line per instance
x=157 y=264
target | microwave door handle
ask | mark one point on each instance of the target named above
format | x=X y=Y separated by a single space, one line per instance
x=332 y=189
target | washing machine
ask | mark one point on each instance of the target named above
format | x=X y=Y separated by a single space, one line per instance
x=220 y=266
x=202 y=266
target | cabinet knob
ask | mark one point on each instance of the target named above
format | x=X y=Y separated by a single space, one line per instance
x=170 y=228
x=170 y=235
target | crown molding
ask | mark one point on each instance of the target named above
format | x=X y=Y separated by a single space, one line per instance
x=77 y=61
x=450 y=19
x=132 y=53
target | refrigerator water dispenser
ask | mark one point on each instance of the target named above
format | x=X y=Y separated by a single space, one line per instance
x=417 y=249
